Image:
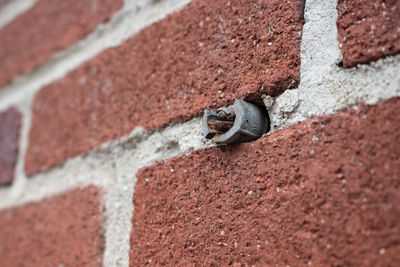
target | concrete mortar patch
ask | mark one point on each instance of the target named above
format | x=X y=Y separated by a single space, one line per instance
x=325 y=88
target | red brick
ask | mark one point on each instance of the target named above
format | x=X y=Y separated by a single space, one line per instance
x=368 y=30
x=3 y=2
x=48 y=27
x=63 y=230
x=10 y=123
x=324 y=192
x=168 y=73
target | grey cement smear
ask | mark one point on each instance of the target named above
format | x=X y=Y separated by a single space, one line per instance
x=325 y=88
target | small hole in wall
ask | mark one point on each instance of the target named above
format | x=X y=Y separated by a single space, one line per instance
x=268 y=121
x=340 y=64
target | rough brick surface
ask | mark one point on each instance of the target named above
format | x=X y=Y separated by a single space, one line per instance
x=10 y=122
x=49 y=26
x=368 y=30
x=63 y=230
x=323 y=192
x=205 y=55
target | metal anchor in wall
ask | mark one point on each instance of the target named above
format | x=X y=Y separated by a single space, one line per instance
x=240 y=122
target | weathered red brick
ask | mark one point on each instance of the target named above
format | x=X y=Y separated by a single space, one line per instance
x=48 y=27
x=10 y=123
x=203 y=56
x=368 y=30
x=323 y=192
x=3 y=3
x=64 y=230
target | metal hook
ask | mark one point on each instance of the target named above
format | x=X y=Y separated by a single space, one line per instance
x=240 y=122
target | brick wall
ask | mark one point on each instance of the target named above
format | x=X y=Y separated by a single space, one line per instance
x=102 y=157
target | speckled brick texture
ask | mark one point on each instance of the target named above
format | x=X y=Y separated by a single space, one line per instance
x=206 y=55
x=48 y=27
x=64 y=230
x=323 y=192
x=10 y=123
x=368 y=30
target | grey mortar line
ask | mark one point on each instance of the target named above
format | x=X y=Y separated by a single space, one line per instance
x=24 y=107
x=118 y=29
x=101 y=168
x=134 y=16
x=113 y=166
x=326 y=88
x=13 y=9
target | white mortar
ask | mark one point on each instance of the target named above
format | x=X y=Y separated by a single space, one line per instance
x=325 y=88
x=112 y=167
x=133 y=17
x=13 y=9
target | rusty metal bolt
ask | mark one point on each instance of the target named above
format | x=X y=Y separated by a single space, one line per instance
x=240 y=122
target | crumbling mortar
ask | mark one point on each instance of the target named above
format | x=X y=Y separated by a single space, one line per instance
x=325 y=88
